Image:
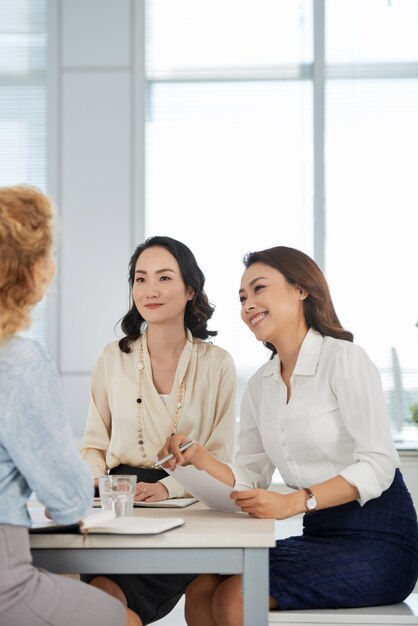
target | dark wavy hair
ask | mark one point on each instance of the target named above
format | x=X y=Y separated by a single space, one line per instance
x=198 y=309
x=299 y=269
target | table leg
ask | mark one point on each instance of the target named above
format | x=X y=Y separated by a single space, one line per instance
x=255 y=586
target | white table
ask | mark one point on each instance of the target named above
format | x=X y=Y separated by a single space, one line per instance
x=208 y=542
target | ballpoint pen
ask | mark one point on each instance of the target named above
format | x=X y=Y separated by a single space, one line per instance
x=182 y=448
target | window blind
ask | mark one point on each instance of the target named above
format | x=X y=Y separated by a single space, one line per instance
x=23 y=104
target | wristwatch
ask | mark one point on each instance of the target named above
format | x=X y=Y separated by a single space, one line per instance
x=311 y=501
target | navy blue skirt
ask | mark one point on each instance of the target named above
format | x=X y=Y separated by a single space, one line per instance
x=350 y=555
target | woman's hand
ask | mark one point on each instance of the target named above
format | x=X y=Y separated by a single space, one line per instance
x=268 y=504
x=150 y=492
x=171 y=446
x=198 y=456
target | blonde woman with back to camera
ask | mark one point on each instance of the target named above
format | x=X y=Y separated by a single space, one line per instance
x=35 y=435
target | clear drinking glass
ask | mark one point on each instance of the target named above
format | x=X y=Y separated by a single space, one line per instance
x=117 y=493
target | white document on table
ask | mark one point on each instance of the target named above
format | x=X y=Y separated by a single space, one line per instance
x=209 y=490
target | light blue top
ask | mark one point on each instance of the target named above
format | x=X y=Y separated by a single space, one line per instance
x=37 y=450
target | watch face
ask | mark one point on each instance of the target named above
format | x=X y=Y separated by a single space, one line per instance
x=311 y=503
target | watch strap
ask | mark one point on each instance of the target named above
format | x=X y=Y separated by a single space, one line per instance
x=310 y=496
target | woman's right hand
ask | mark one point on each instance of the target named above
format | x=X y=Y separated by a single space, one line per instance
x=198 y=456
x=172 y=445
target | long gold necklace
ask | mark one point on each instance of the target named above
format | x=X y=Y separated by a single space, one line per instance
x=141 y=428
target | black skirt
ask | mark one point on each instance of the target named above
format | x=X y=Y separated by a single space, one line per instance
x=151 y=596
x=143 y=474
x=350 y=555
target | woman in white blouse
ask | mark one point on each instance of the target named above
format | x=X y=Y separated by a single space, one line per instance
x=161 y=377
x=315 y=411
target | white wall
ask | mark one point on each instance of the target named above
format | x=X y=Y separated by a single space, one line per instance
x=97 y=179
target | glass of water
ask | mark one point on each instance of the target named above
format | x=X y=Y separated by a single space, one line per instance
x=117 y=493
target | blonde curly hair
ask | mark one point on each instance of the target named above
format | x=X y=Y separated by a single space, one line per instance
x=26 y=235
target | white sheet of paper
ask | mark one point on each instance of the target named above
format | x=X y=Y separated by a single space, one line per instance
x=205 y=488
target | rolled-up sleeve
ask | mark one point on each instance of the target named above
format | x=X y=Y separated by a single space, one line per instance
x=357 y=386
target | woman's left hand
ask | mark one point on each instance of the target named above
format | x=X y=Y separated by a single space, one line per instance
x=150 y=492
x=263 y=504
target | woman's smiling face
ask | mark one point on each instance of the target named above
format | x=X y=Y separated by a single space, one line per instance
x=270 y=305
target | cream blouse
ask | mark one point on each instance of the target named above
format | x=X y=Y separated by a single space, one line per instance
x=208 y=412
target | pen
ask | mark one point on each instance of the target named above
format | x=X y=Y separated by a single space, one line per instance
x=182 y=448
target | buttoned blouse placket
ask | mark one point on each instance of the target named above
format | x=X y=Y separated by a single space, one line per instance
x=287 y=401
x=291 y=427
x=274 y=417
x=305 y=462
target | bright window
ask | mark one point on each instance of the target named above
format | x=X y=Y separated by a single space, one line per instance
x=371 y=161
x=232 y=130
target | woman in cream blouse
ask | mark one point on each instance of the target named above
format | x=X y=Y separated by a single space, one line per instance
x=152 y=383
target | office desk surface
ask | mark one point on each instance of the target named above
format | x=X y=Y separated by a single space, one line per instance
x=203 y=527
x=208 y=542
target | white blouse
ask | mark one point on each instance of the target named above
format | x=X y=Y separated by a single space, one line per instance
x=208 y=413
x=334 y=423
